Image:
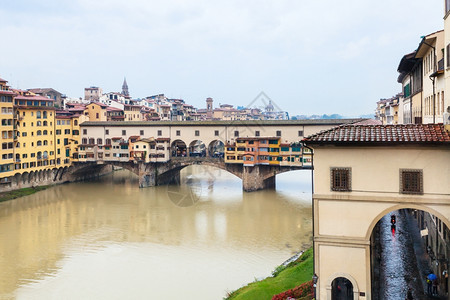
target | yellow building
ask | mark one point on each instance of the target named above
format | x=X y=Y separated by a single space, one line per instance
x=96 y=111
x=35 y=150
x=8 y=133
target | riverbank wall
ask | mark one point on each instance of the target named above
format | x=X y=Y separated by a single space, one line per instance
x=54 y=176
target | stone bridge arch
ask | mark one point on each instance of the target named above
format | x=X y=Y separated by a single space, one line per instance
x=427 y=208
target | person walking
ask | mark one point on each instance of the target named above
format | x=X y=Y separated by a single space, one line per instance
x=435 y=285
x=429 y=286
x=409 y=295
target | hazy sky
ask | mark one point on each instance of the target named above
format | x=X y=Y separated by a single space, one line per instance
x=308 y=56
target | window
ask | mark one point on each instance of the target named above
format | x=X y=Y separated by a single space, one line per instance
x=141 y=132
x=448 y=53
x=99 y=141
x=159 y=132
x=447 y=6
x=66 y=131
x=84 y=131
x=278 y=132
x=411 y=181
x=75 y=122
x=197 y=133
x=96 y=115
x=178 y=132
x=216 y=132
x=257 y=133
x=124 y=132
x=107 y=131
x=300 y=133
x=341 y=179
x=236 y=133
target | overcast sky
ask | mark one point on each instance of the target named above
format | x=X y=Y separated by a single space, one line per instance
x=309 y=57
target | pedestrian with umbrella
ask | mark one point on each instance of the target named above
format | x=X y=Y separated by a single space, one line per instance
x=431 y=279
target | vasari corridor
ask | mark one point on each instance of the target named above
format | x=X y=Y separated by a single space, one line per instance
x=230 y=150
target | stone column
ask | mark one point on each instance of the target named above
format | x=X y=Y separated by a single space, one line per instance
x=253 y=178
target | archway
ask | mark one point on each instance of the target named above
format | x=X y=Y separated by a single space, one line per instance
x=197 y=149
x=216 y=149
x=341 y=289
x=178 y=148
x=408 y=244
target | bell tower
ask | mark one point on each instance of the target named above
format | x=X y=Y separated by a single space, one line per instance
x=125 y=88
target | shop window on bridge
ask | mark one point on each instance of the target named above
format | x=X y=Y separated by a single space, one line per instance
x=411 y=181
x=341 y=179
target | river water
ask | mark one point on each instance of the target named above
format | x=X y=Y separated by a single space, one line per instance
x=108 y=239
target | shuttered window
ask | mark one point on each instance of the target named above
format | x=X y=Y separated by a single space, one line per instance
x=411 y=181
x=341 y=179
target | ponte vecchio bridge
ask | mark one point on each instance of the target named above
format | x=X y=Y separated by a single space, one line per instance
x=157 y=151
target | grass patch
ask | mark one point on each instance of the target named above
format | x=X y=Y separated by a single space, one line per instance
x=5 y=196
x=285 y=278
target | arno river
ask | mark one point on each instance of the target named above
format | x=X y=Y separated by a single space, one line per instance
x=109 y=239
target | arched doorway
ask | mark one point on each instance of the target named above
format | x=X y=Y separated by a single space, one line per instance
x=178 y=148
x=341 y=289
x=216 y=149
x=197 y=149
x=407 y=246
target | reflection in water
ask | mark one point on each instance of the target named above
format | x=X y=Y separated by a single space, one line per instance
x=111 y=240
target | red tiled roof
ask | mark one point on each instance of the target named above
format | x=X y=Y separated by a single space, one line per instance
x=40 y=98
x=7 y=92
x=366 y=134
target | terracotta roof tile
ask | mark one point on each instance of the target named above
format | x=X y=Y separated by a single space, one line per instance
x=404 y=134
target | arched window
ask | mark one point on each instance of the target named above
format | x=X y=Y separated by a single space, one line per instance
x=39 y=155
x=45 y=123
x=44 y=132
x=45 y=143
x=39 y=143
x=99 y=141
x=44 y=115
x=75 y=122
x=84 y=141
x=38 y=114
x=91 y=141
x=108 y=141
x=342 y=288
x=38 y=123
x=39 y=132
x=45 y=155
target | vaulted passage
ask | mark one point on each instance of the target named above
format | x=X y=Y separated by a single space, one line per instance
x=407 y=246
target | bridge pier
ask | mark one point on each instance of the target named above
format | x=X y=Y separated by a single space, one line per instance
x=257 y=178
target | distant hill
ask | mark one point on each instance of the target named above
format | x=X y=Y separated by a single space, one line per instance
x=325 y=117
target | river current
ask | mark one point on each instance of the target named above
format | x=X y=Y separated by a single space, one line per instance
x=109 y=239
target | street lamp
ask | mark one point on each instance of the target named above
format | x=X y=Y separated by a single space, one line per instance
x=315 y=278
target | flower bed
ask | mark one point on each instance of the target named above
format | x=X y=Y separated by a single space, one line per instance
x=304 y=292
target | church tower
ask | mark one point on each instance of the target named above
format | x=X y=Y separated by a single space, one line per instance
x=209 y=108
x=125 y=88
